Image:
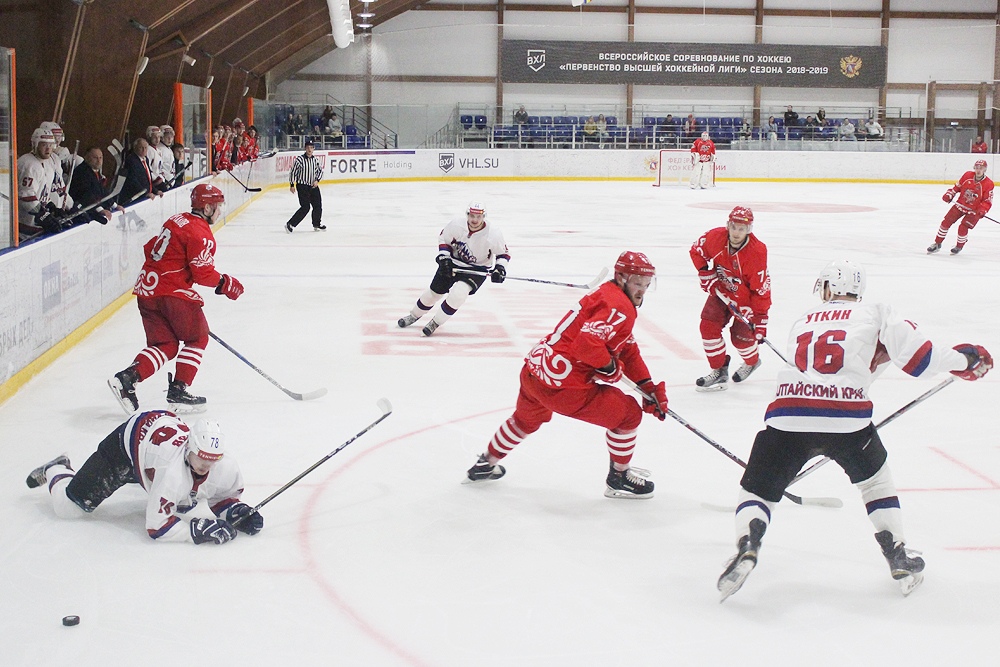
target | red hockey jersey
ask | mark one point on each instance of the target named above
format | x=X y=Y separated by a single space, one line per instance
x=704 y=149
x=182 y=255
x=595 y=330
x=744 y=272
x=974 y=196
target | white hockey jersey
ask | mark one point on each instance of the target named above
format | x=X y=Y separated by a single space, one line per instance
x=477 y=250
x=166 y=161
x=35 y=181
x=155 y=442
x=60 y=192
x=155 y=161
x=837 y=349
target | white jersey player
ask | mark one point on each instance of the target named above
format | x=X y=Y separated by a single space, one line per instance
x=179 y=468
x=38 y=182
x=153 y=156
x=469 y=250
x=164 y=148
x=67 y=161
x=822 y=406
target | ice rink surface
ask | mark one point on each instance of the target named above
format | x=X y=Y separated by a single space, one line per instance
x=381 y=556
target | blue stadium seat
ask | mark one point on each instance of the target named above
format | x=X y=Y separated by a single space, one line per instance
x=728 y=122
x=466 y=121
x=532 y=120
x=350 y=130
x=560 y=120
x=612 y=120
x=649 y=122
x=480 y=122
x=545 y=120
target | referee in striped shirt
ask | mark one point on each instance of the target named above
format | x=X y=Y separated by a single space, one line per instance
x=304 y=178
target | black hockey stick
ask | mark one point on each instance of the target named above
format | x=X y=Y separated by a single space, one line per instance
x=383 y=404
x=588 y=286
x=753 y=329
x=919 y=399
x=308 y=396
x=245 y=187
x=798 y=500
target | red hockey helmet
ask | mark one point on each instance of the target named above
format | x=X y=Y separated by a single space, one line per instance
x=634 y=264
x=980 y=163
x=741 y=215
x=203 y=193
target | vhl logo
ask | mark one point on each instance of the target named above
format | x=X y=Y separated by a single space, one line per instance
x=446 y=161
x=536 y=59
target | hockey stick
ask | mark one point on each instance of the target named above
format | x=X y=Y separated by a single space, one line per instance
x=383 y=404
x=919 y=399
x=588 y=286
x=245 y=188
x=308 y=396
x=753 y=329
x=798 y=500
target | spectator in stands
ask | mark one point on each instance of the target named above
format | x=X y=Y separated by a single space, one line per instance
x=590 y=130
x=746 y=130
x=336 y=129
x=139 y=180
x=980 y=146
x=670 y=127
x=846 y=131
x=811 y=126
x=90 y=186
x=770 y=129
x=821 y=117
x=327 y=115
x=300 y=125
x=873 y=131
x=690 y=127
x=521 y=116
x=791 y=118
x=602 y=129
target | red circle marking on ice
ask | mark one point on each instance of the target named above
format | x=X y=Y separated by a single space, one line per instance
x=787 y=207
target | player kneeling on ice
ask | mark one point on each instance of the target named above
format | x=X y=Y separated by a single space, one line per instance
x=732 y=268
x=178 y=466
x=822 y=407
x=571 y=372
x=183 y=254
x=469 y=250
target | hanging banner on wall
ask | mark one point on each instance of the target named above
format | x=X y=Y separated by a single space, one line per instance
x=680 y=64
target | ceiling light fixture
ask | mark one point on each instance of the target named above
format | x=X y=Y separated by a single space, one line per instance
x=365 y=15
x=364 y=26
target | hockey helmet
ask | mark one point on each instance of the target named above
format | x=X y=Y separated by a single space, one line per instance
x=166 y=128
x=980 y=163
x=476 y=208
x=843 y=277
x=741 y=215
x=152 y=129
x=203 y=193
x=238 y=124
x=40 y=135
x=634 y=264
x=53 y=128
x=206 y=440
x=705 y=135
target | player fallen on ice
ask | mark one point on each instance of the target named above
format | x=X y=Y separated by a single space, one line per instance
x=974 y=192
x=180 y=256
x=469 y=250
x=822 y=407
x=179 y=467
x=572 y=372
x=732 y=268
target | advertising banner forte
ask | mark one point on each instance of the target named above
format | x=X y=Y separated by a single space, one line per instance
x=680 y=64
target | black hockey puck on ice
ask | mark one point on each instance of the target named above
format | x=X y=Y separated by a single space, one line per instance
x=71 y=620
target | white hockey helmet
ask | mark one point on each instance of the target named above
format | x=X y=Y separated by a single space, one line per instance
x=53 y=128
x=40 y=135
x=206 y=440
x=476 y=208
x=843 y=277
x=152 y=129
x=166 y=128
x=704 y=135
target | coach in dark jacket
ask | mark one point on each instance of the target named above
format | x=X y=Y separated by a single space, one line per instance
x=90 y=185
x=138 y=179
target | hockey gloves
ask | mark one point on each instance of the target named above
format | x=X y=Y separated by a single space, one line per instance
x=229 y=286
x=611 y=373
x=498 y=273
x=759 y=327
x=949 y=195
x=218 y=531
x=980 y=361
x=253 y=522
x=708 y=279
x=655 y=391
x=445 y=266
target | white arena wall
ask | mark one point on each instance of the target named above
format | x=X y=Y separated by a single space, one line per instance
x=59 y=289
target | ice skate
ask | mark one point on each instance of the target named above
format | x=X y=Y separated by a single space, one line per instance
x=319 y=228
x=717 y=380
x=957 y=249
x=406 y=321
x=122 y=385
x=933 y=248
x=483 y=471
x=430 y=328
x=37 y=476
x=289 y=228
x=905 y=565
x=742 y=564
x=630 y=483
x=744 y=371
x=178 y=397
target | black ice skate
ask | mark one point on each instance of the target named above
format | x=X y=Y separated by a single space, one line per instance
x=37 y=476
x=319 y=228
x=743 y=563
x=744 y=371
x=717 y=380
x=406 y=321
x=483 y=471
x=430 y=328
x=933 y=248
x=122 y=385
x=904 y=565
x=957 y=249
x=630 y=483
x=179 y=397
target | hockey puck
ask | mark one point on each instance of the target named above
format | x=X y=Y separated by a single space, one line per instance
x=71 y=620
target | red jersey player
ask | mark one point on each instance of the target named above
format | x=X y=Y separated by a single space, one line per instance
x=183 y=254
x=975 y=197
x=571 y=372
x=732 y=267
x=702 y=161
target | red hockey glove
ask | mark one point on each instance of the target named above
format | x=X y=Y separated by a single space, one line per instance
x=658 y=392
x=708 y=279
x=229 y=286
x=759 y=327
x=948 y=196
x=980 y=361
x=611 y=373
